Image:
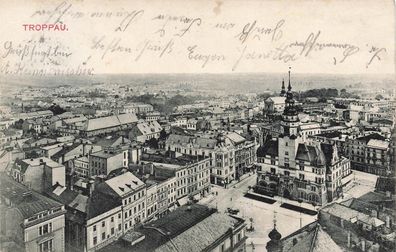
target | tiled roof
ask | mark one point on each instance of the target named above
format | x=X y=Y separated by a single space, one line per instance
x=158 y=233
x=124 y=183
x=202 y=235
x=385 y=184
x=348 y=214
x=367 y=138
x=309 y=238
x=269 y=148
x=110 y=121
x=149 y=127
x=310 y=153
x=29 y=205
x=235 y=138
x=276 y=99
x=378 y=144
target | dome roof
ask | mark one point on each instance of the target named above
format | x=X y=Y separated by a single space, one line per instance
x=274 y=235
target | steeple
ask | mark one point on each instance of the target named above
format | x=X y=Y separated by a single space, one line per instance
x=283 y=91
x=289 y=106
x=275 y=236
x=290 y=114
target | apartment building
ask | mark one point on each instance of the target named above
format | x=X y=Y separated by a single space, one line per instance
x=371 y=153
x=186 y=176
x=29 y=221
x=107 y=160
x=131 y=192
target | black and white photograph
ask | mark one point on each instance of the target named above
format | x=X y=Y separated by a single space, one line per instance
x=197 y=125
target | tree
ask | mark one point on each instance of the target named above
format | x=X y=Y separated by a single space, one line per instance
x=56 y=109
x=18 y=124
x=379 y=97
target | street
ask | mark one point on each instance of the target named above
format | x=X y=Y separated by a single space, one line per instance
x=262 y=214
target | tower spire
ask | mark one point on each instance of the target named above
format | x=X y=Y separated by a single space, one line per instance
x=289 y=87
x=283 y=90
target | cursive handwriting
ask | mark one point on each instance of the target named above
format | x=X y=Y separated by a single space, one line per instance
x=252 y=30
x=311 y=44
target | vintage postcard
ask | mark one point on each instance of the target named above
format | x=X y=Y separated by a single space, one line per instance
x=197 y=125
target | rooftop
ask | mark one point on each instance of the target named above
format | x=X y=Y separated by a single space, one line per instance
x=169 y=160
x=188 y=228
x=28 y=202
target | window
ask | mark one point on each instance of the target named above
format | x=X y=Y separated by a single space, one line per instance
x=95 y=240
x=301 y=176
x=94 y=228
x=112 y=219
x=103 y=223
x=119 y=226
x=45 y=229
x=46 y=246
x=286 y=153
x=112 y=231
x=119 y=216
x=103 y=236
x=273 y=170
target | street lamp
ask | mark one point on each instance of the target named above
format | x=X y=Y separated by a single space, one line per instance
x=300 y=201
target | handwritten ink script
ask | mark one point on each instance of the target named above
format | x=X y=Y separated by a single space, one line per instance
x=129 y=37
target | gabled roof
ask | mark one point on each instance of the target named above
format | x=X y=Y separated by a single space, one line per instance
x=378 y=144
x=124 y=184
x=149 y=127
x=367 y=138
x=311 y=154
x=276 y=99
x=110 y=121
x=269 y=148
x=309 y=238
x=203 y=234
x=235 y=138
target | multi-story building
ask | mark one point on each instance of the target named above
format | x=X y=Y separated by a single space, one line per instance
x=370 y=154
x=245 y=153
x=193 y=228
x=144 y=131
x=151 y=200
x=81 y=167
x=131 y=193
x=107 y=160
x=138 y=108
x=91 y=221
x=29 y=221
x=288 y=166
x=108 y=124
x=39 y=174
x=221 y=154
x=190 y=176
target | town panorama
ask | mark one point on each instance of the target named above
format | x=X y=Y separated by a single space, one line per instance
x=172 y=165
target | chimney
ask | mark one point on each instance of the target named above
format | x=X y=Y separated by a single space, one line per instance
x=91 y=186
x=388 y=194
x=349 y=239
x=387 y=221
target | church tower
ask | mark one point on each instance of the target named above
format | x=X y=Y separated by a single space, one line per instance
x=290 y=131
x=283 y=91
